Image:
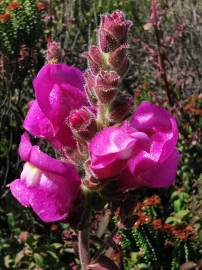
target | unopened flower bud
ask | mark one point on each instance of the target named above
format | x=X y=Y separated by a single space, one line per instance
x=106 y=86
x=54 y=52
x=113 y=31
x=121 y=107
x=95 y=59
x=82 y=123
x=118 y=59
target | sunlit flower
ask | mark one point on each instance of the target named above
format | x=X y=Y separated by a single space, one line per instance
x=142 y=152
x=58 y=90
x=47 y=185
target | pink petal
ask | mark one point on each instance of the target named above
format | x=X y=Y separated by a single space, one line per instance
x=25 y=147
x=49 y=186
x=62 y=99
x=40 y=126
x=162 y=175
x=46 y=163
x=58 y=89
x=159 y=125
x=109 y=152
x=111 y=148
x=108 y=167
x=110 y=140
x=41 y=160
x=53 y=198
x=37 y=123
x=151 y=118
x=20 y=191
x=143 y=171
x=164 y=142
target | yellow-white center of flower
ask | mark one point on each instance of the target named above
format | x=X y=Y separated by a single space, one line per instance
x=31 y=174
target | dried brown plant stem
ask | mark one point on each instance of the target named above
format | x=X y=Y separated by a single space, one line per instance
x=163 y=71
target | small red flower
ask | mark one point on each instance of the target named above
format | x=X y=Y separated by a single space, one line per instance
x=180 y=234
x=137 y=93
x=142 y=219
x=157 y=224
x=167 y=227
x=184 y=233
x=154 y=200
x=13 y=6
x=5 y=17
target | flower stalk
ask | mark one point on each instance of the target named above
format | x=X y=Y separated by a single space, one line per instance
x=83 y=246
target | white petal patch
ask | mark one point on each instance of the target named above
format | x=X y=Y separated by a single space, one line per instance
x=31 y=174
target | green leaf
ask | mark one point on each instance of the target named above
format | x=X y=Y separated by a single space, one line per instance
x=57 y=245
x=134 y=256
x=177 y=205
x=170 y=220
x=11 y=220
x=143 y=266
x=38 y=259
x=19 y=257
x=179 y=217
x=64 y=226
x=53 y=255
x=182 y=214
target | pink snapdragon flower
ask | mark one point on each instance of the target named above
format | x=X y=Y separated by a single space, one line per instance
x=157 y=167
x=58 y=90
x=142 y=152
x=48 y=185
x=111 y=148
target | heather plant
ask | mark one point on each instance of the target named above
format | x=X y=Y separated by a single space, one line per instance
x=20 y=24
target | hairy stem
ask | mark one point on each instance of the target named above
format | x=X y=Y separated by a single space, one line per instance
x=101 y=117
x=83 y=245
x=104 y=223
